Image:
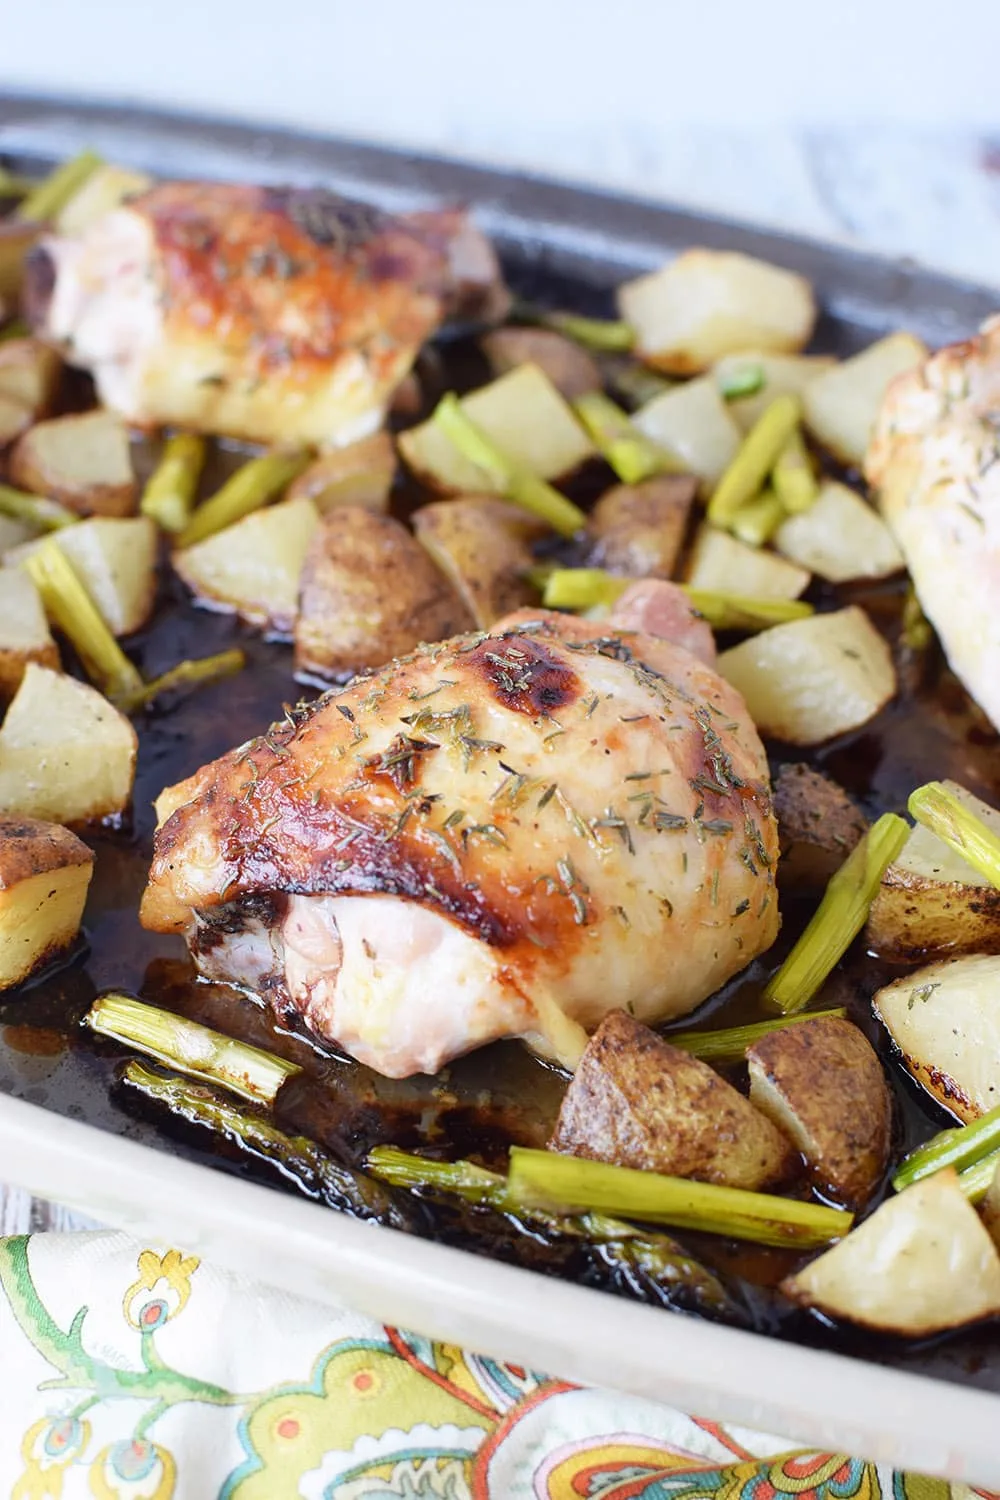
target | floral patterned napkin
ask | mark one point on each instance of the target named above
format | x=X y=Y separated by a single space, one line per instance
x=131 y=1373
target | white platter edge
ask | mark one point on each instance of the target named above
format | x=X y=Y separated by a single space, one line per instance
x=814 y=1397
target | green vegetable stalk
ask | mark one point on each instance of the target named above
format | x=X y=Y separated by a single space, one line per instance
x=603 y=335
x=572 y=1185
x=654 y=1256
x=756 y=522
x=744 y=611
x=940 y=811
x=71 y=608
x=839 y=918
x=52 y=195
x=192 y=673
x=960 y=1147
x=754 y=461
x=581 y=588
x=730 y=1045
x=250 y=488
x=47 y=515
x=516 y=483
x=190 y=1047
x=170 y=493
x=793 y=478
x=631 y=454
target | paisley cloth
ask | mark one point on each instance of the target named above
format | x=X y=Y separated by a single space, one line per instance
x=132 y=1372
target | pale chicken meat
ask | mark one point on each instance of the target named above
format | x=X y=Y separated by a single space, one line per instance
x=278 y=315
x=503 y=835
x=934 y=462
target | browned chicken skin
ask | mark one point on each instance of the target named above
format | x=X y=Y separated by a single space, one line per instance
x=272 y=314
x=500 y=835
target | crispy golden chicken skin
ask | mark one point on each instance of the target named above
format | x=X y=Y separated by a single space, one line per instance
x=271 y=314
x=501 y=835
x=934 y=460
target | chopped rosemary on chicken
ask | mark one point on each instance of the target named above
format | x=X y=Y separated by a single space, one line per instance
x=755 y=459
x=170 y=491
x=729 y=1045
x=71 y=608
x=190 y=1047
x=940 y=811
x=960 y=1147
x=839 y=918
x=631 y=454
x=251 y=487
x=571 y=1184
x=45 y=201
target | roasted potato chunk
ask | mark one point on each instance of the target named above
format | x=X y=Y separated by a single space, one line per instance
x=635 y=1101
x=369 y=592
x=44 y=874
x=822 y=1085
x=24 y=631
x=116 y=561
x=721 y=564
x=638 y=529
x=930 y=902
x=65 y=753
x=840 y=537
x=17 y=238
x=29 y=374
x=14 y=534
x=691 y=422
x=922 y=1264
x=254 y=568
x=709 y=303
x=523 y=414
x=815 y=678
x=15 y=419
x=570 y=368
x=83 y=461
x=945 y=1020
x=818 y=826
x=841 y=405
x=780 y=375
x=482 y=547
x=360 y=474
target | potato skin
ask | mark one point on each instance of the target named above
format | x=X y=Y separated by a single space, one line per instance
x=39 y=463
x=913 y=918
x=30 y=846
x=818 y=826
x=359 y=474
x=481 y=545
x=821 y=1083
x=945 y=1021
x=369 y=592
x=638 y=529
x=570 y=368
x=636 y=1101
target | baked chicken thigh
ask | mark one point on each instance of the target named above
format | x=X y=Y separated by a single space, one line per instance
x=276 y=315
x=501 y=835
x=935 y=462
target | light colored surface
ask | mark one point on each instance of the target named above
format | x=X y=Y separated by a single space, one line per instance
x=811 y=1397
x=772 y=112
